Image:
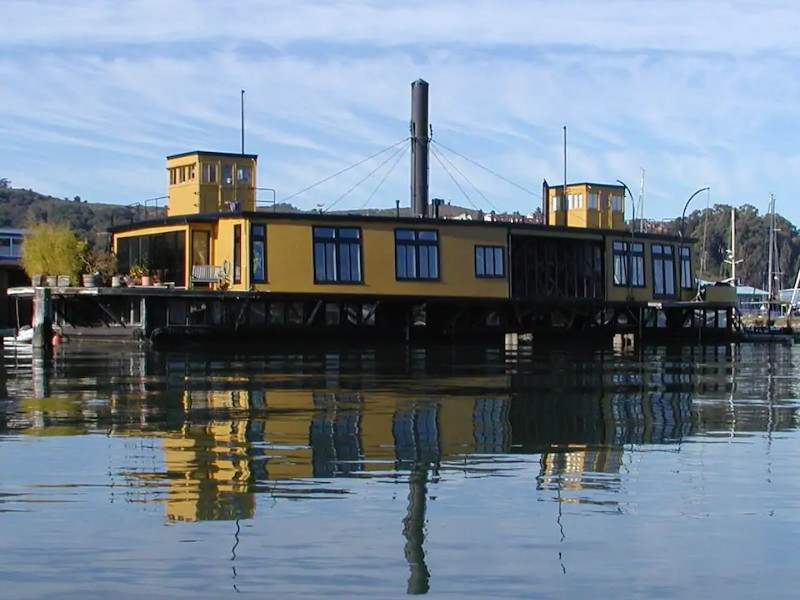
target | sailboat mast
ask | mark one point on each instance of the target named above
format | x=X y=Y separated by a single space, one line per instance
x=771 y=238
x=733 y=246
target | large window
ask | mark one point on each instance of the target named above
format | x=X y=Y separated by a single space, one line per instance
x=663 y=270
x=687 y=280
x=337 y=255
x=490 y=261
x=163 y=252
x=628 y=264
x=258 y=252
x=416 y=254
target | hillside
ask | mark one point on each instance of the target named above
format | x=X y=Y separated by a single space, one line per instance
x=19 y=207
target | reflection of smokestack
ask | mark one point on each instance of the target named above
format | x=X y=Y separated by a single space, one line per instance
x=419 y=148
x=414 y=531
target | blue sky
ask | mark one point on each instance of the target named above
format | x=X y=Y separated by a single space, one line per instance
x=95 y=94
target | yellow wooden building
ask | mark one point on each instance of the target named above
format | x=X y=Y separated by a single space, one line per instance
x=302 y=268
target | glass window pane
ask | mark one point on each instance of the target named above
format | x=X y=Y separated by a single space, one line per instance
x=404 y=234
x=498 y=261
x=258 y=261
x=658 y=276
x=330 y=262
x=428 y=235
x=480 y=268
x=319 y=262
x=433 y=262
x=355 y=262
x=411 y=262
x=405 y=262
x=349 y=233
x=344 y=262
x=324 y=232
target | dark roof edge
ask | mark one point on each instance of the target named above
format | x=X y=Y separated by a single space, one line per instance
x=338 y=218
x=209 y=153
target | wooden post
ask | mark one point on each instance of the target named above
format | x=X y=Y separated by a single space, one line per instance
x=42 y=318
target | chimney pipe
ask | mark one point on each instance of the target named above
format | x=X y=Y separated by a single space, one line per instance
x=419 y=148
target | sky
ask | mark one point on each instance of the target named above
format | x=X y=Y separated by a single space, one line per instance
x=94 y=94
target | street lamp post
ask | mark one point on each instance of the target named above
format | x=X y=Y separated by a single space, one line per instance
x=685 y=206
x=633 y=206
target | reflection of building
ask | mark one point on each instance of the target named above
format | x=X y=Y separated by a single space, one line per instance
x=209 y=472
x=578 y=467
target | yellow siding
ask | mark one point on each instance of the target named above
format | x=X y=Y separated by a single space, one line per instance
x=290 y=260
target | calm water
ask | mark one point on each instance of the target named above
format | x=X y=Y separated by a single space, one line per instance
x=377 y=473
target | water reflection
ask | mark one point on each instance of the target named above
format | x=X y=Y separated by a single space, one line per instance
x=229 y=426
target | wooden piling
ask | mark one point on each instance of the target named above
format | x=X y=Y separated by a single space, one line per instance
x=42 y=318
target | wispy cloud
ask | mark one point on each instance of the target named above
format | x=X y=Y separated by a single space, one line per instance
x=696 y=93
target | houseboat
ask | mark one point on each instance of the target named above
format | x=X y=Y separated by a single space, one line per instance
x=228 y=267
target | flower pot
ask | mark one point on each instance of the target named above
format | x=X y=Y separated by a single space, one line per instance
x=52 y=280
x=116 y=281
x=146 y=280
x=89 y=280
x=37 y=280
x=63 y=281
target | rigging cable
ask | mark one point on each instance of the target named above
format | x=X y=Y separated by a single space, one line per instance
x=329 y=177
x=458 y=185
x=449 y=162
x=363 y=179
x=400 y=152
x=488 y=170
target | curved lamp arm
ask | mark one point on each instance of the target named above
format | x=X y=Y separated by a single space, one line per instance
x=685 y=206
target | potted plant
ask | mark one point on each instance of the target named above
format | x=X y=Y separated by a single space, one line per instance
x=140 y=272
x=98 y=266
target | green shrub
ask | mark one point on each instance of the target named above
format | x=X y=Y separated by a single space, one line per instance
x=52 y=249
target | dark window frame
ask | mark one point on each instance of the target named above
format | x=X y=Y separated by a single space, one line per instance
x=494 y=251
x=417 y=246
x=630 y=257
x=663 y=262
x=333 y=247
x=255 y=238
x=685 y=262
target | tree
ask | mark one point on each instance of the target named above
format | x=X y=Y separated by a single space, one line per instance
x=5 y=184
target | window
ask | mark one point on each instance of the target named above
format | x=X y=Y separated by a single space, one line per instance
x=337 y=255
x=628 y=264
x=663 y=270
x=243 y=175
x=192 y=168
x=416 y=254
x=173 y=176
x=227 y=174
x=209 y=173
x=594 y=200
x=258 y=252
x=575 y=201
x=489 y=261
x=616 y=203
x=556 y=203
x=687 y=281
x=237 y=254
